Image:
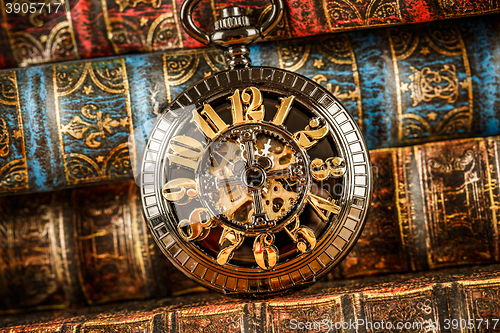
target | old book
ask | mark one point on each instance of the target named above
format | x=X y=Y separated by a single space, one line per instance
x=92 y=28
x=68 y=124
x=444 y=301
x=434 y=206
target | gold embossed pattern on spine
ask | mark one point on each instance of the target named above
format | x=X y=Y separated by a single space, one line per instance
x=445 y=84
x=94 y=137
x=13 y=169
x=33 y=266
x=413 y=306
x=418 y=299
x=319 y=60
x=373 y=13
x=41 y=36
x=146 y=26
x=112 y=245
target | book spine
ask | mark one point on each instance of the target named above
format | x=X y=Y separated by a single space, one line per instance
x=94 y=28
x=433 y=206
x=403 y=86
x=445 y=302
x=81 y=246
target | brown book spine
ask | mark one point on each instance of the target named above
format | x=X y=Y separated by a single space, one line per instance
x=434 y=206
x=37 y=253
x=438 y=302
x=82 y=246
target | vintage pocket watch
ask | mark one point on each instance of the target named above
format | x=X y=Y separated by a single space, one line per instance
x=255 y=180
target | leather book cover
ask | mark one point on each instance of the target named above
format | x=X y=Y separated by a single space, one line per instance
x=431 y=302
x=68 y=124
x=80 y=29
x=434 y=206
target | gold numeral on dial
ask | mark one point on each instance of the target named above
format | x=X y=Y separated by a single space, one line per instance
x=320 y=205
x=284 y=108
x=213 y=124
x=233 y=237
x=180 y=190
x=197 y=227
x=314 y=132
x=265 y=253
x=237 y=108
x=185 y=151
x=252 y=97
x=333 y=166
x=302 y=235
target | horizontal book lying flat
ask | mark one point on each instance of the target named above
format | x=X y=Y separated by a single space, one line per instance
x=79 y=29
x=449 y=300
x=68 y=124
x=434 y=206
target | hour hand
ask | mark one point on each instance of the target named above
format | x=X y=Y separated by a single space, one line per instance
x=233 y=180
x=294 y=172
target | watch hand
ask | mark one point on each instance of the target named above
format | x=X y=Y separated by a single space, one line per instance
x=230 y=180
x=250 y=152
x=292 y=172
x=257 y=202
x=256 y=193
x=278 y=173
x=225 y=159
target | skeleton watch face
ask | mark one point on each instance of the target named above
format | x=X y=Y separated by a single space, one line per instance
x=253 y=177
x=255 y=181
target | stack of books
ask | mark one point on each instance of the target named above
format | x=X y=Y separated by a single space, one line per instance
x=75 y=253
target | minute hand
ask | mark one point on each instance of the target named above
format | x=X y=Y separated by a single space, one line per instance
x=233 y=180
x=288 y=172
x=278 y=173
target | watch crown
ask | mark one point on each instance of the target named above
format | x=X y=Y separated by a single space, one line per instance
x=232 y=17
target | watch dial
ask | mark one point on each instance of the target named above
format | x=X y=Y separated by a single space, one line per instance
x=254 y=185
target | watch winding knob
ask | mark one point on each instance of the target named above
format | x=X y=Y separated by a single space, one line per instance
x=231 y=17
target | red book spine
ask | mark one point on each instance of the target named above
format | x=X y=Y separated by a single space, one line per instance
x=89 y=29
